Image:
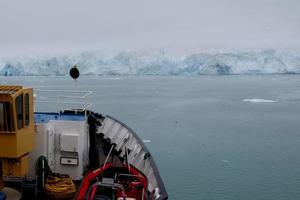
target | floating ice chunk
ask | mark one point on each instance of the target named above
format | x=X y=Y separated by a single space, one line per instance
x=259 y=101
x=146 y=141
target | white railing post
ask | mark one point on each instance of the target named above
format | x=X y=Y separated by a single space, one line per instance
x=67 y=99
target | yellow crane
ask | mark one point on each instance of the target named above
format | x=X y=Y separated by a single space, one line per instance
x=16 y=129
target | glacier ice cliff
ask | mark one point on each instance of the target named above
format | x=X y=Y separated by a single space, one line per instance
x=158 y=63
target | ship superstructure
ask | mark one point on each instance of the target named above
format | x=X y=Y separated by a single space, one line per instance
x=73 y=153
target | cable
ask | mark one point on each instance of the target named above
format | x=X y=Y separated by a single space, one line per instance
x=42 y=170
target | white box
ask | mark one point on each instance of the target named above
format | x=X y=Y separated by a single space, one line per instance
x=69 y=142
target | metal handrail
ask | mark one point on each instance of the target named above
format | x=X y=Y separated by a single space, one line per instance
x=67 y=97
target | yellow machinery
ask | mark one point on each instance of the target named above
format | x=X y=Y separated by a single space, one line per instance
x=16 y=129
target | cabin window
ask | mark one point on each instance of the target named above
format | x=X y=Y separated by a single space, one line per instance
x=26 y=109
x=19 y=111
x=6 y=119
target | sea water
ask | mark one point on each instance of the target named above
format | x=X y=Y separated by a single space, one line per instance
x=212 y=137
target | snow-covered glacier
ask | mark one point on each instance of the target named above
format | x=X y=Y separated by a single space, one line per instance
x=158 y=63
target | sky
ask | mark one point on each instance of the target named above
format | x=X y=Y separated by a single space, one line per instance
x=61 y=26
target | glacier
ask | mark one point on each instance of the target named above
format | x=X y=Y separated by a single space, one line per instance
x=268 y=61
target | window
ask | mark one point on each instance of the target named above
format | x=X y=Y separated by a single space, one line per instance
x=6 y=119
x=19 y=111
x=26 y=109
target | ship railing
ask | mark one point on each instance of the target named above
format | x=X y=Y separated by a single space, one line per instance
x=62 y=100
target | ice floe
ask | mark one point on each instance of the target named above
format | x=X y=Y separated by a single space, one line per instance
x=259 y=101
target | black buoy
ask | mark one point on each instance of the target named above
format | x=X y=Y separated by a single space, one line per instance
x=74 y=72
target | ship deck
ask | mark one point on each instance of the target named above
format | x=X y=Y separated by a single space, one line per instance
x=45 y=117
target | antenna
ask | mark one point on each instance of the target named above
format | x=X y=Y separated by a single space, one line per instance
x=74 y=73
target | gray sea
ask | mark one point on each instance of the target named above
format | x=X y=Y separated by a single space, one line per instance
x=208 y=142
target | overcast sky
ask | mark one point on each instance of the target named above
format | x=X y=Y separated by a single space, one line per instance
x=55 y=26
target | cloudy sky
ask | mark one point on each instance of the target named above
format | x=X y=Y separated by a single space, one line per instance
x=55 y=26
